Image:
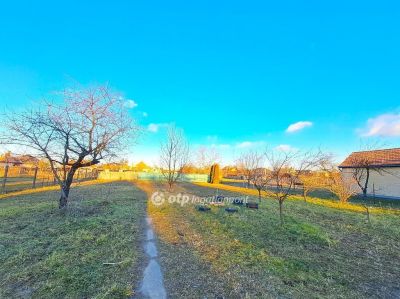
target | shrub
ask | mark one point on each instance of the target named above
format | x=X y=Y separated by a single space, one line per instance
x=214 y=177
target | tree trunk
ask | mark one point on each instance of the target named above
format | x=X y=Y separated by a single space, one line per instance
x=281 y=211
x=304 y=195
x=66 y=186
x=365 y=189
x=170 y=184
x=259 y=195
x=367 y=209
x=364 y=192
x=63 y=203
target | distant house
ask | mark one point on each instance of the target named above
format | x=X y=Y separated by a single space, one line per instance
x=28 y=160
x=231 y=172
x=23 y=160
x=10 y=161
x=261 y=171
x=384 y=170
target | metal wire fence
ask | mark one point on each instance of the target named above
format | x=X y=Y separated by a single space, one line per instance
x=18 y=178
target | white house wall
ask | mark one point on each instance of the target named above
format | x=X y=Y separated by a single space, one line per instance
x=386 y=184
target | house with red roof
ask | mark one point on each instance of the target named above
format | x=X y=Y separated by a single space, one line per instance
x=381 y=168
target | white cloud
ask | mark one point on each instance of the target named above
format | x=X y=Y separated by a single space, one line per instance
x=145 y=114
x=285 y=148
x=130 y=104
x=218 y=145
x=248 y=144
x=224 y=146
x=244 y=144
x=298 y=126
x=384 y=125
x=155 y=127
x=212 y=138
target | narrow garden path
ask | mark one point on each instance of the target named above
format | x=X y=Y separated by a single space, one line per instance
x=152 y=285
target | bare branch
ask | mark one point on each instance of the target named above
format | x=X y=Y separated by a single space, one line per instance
x=174 y=156
x=91 y=124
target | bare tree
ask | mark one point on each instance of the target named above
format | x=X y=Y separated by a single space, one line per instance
x=258 y=174
x=335 y=182
x=247 y=163
x=174 y=156
x=311 y=181
x=88 y=126
x=341 y=185
x=363 y=164
x=285 y=170
x=343 y=188
x=260 y=181
x=205 y=157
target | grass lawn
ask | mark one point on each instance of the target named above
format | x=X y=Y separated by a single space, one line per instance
x=324 y=194
x=321 y=252
x=12 y=179
x=19 y=184
x=45 y=254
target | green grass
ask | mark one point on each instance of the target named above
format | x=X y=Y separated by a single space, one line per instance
x=47 y=254
x=17 y=179
x=325 y=194
x=319 y=253
x=20 y=184
x=14 y=187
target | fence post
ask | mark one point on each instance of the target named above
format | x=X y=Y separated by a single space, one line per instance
x=34 y=178
x=5 y=179
x=373 y=190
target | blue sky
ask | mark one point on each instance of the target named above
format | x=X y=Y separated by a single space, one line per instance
x=232 y=74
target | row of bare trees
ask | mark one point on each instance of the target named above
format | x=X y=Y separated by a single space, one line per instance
x=90 y=125
x=278 y=173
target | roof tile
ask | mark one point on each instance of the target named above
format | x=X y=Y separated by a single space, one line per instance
x=377 y=158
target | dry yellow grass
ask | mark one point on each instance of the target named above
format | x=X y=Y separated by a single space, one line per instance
x=163 y=225
x=232 y=180
x=323 y=202
x=173 y=226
